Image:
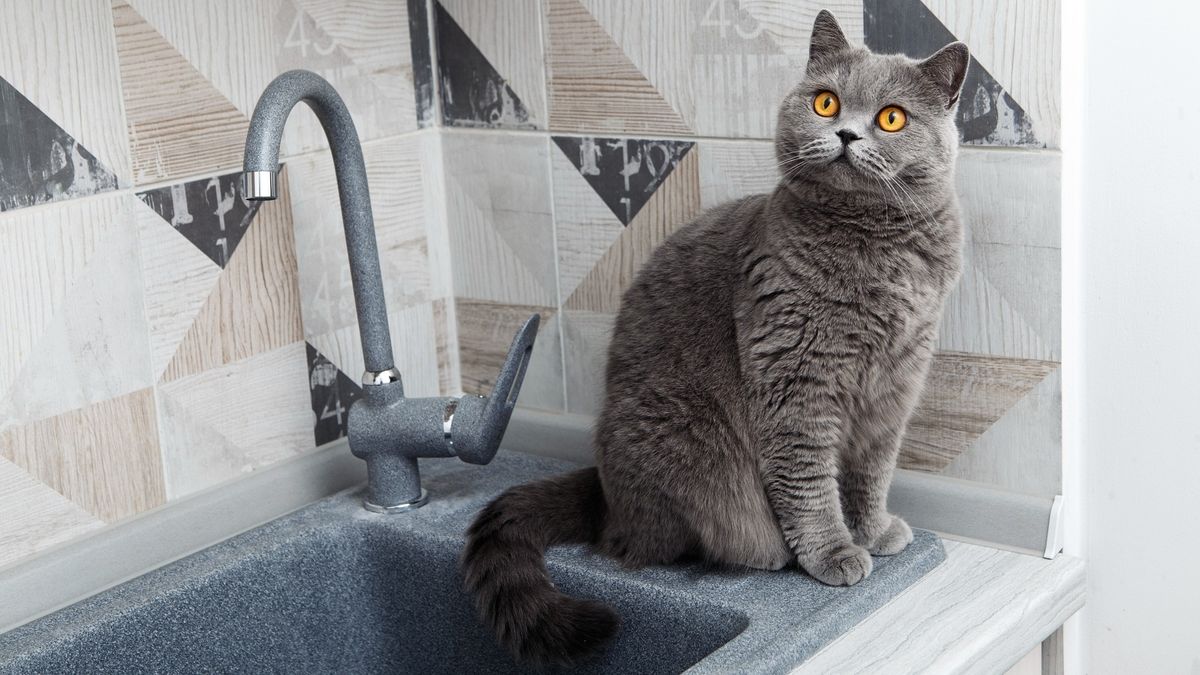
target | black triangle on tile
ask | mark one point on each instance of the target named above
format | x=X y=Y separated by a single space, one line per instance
x=422 y=61
x=332 y=394
x=987 y=114
x=473 y=93
x=625 y=172
x=39 y=161
x=209 y=212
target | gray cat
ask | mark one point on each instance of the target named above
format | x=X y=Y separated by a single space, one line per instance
x=764 y=363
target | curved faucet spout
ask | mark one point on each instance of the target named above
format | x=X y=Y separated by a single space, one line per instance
x=259 y=183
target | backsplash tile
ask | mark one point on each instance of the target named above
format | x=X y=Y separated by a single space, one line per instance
x=560 y=141
x=39 y=161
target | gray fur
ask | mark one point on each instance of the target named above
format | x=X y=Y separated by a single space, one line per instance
x=767 y=357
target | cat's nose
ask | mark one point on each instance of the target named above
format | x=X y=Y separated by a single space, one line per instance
x=848 y=136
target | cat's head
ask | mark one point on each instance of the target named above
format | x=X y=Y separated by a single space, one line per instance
x=871 y=123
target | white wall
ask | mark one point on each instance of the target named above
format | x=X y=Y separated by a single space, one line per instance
x=1134 y=263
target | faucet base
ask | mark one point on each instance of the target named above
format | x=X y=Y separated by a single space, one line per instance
x=417 y=503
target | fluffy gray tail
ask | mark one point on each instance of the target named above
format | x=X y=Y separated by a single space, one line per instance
x=504 y=568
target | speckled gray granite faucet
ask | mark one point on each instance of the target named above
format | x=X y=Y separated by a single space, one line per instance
x=386 y=429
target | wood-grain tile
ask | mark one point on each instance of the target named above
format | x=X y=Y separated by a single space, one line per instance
x=964 y=396
x=62 y=56
x=187 y=129
x=396 y=177
x=509 y=34
x=36 y=517
x=675 y=203
x=485 y=332
x=1019 y=43
x=104 y=457
x=80 y=335
x=235 y=418
x=593 y=86
x=498 y=214
x=255 y=305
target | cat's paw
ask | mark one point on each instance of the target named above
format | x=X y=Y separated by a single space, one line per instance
x=894 y=539
x=845 y=565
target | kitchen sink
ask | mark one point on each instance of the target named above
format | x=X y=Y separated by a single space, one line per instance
x=334 y=588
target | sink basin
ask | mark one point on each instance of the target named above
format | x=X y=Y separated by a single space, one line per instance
x=334 y=588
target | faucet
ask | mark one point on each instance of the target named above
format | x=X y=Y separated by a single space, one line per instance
x=386 y=429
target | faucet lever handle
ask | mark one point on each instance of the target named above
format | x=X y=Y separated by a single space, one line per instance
x=479 y=423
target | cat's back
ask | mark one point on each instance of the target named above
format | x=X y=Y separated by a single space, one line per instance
x=678 y=312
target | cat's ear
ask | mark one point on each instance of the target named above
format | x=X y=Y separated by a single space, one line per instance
x=948 y=69
x=827 y=38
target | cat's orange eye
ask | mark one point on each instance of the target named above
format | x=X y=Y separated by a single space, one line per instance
x=826 y=104
x=891 y=118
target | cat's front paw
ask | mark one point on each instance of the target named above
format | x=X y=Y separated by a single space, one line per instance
x=894 y=539
x=845 y=565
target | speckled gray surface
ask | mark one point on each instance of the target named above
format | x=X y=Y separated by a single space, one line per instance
x=333 y=588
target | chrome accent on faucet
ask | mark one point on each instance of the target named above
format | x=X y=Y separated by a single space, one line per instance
x=386 y=429
x=371 y=378
x=417 y=503
x=259 y=185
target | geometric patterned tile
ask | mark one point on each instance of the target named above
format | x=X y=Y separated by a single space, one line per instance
x=255 y=305
x=508 y=35
x=178 y=279
x=473 y=93
x=36 y=517
x=73 y=453
x=674 y=204
x=498 y=216
x=422 y=61
x=235 y=418
x=625 y=172
x=332 y=394
x=39 y=161
x=209 y=212
x=188 y=129
x=964 y=396
x=591 y=83
x=61 y=56
x=987 y=114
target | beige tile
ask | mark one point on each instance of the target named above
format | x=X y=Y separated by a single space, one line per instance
x=60 y=54
x=35 y=516
x=395 y=172
x=592 y=84
x=104 y=457
x=675 y=203
x=964 y=396
x=485 y=332
x=182 y=130
x=255 y=305
x=360 y=46
x=498 y=215
x=91 y=343
x=235 y=418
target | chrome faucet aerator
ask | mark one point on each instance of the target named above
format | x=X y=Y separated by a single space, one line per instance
x=386 y=429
